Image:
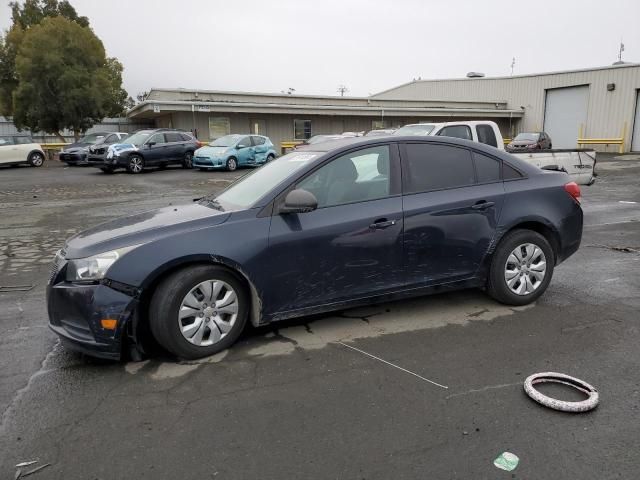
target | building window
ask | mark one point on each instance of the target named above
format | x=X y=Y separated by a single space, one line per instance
x=301 y=129
x=219 y=127
x=258 y=126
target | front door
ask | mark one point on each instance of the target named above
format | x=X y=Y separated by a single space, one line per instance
x=351 y=245
x=156 y=149
x=8 y=151
x=260 y=149
x=450 y=211
x=245 y=151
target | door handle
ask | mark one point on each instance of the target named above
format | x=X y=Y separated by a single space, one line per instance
x=482 y=205
x=382 y=223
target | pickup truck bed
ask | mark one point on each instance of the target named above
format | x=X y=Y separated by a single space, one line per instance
x=580 y=164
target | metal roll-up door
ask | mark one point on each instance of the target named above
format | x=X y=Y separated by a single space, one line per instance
x=565 y=111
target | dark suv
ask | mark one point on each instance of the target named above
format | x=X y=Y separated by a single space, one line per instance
x=147 y=148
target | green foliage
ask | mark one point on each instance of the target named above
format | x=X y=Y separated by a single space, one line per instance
x=54 y=73
x=64 y=78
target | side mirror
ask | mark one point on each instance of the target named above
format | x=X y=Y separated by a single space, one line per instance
x=150 y=144
x=299 y=201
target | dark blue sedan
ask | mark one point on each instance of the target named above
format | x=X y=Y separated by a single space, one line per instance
x=329 y=226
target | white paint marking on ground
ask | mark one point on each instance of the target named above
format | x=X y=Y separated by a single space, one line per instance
x=134 y=367
x=393 y=365
x=627 y=202
x=612 y=223
x=484 y=389
x=172 y=370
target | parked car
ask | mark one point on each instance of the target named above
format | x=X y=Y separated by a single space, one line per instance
x=20 y=149
x=150 y=148
x=233 y=151
x=525 y=142
x=579 y=164
x=319 y=138
x=335 y=225
x=381 y=132
x=77 y=153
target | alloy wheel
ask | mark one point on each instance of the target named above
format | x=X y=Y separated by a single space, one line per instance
x=37 y=160
x=135 y=164
x=525 y=269
x=208 y=313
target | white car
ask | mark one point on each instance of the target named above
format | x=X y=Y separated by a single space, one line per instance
x=20 y=149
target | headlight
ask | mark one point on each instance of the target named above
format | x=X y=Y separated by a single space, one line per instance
x=96 y=267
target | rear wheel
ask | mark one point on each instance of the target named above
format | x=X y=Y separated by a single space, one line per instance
x=521 y=268
x=36 y=159
x=270 y=157
x=198 y=311
x=187 y=162
x=136 y=164
x=232 y=164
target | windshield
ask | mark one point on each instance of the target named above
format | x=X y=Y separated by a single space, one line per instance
x=532 y=137
x=92 y=138
x=226 y=141
x=252 y=187
x=138 y=138
x=417 y=130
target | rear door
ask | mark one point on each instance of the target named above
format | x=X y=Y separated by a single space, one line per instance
x=351 y=245
x=452 y=202
x=175 y=146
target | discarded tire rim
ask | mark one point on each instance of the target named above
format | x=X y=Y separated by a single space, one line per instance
x=552 y=377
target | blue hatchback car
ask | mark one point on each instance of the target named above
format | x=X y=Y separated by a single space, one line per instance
x=233 y=151
x=331 y=226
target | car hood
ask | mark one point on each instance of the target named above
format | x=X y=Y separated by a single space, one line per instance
x=142 y=228
x=76 y=147
x=522 y=143
x=210 y=151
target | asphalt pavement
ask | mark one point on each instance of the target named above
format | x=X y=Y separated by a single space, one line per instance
x=303 y=399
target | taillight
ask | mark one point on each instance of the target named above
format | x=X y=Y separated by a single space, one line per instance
x=573 y=189
x=199 y=143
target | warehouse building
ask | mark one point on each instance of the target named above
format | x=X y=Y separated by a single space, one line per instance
x=592 y=104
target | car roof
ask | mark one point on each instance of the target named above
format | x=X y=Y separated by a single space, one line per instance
x=345 y=144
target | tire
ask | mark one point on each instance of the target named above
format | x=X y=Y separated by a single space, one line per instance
x=187 y=162
x=270 y=157
x=528 y=275
x=107 y=170
x=232 y=164
x=36 y=159
x=135 y=164
x=220 y=328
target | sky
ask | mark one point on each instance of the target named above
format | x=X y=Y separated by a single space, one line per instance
x=366 y=45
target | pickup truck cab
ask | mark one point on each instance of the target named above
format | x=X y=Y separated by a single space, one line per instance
x=579 y=164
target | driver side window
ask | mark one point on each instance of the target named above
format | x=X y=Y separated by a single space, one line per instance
x=245 y=142
x=157 y=138
x=358 y=176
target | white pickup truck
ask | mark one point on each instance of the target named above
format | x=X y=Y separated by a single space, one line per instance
x=578 y=163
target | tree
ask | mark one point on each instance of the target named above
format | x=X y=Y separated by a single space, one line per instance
x=64 y=78
x=25 y=16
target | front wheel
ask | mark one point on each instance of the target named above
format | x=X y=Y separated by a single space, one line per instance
x=136 y=164
x=521 y=268
x=187 y=161
x=270 y=157
x=232 y=164
x=36 y=159
x=198 y=311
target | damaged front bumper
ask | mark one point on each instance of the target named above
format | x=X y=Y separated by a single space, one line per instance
x=76 y=314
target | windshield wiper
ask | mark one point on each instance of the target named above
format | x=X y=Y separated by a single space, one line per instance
x=212 y=203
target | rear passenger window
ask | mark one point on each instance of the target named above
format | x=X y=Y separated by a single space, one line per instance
x=486 y=135
x=173 y=137
x=487 y=168
x=436 y=167
x=456 y=131
x=185 y=137
x=508 y=172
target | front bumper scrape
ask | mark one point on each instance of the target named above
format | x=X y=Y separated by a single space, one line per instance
x=75 y=312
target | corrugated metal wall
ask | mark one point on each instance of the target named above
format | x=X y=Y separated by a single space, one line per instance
x=607 y=111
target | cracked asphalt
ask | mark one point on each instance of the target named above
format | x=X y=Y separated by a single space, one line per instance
x=290 y=400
